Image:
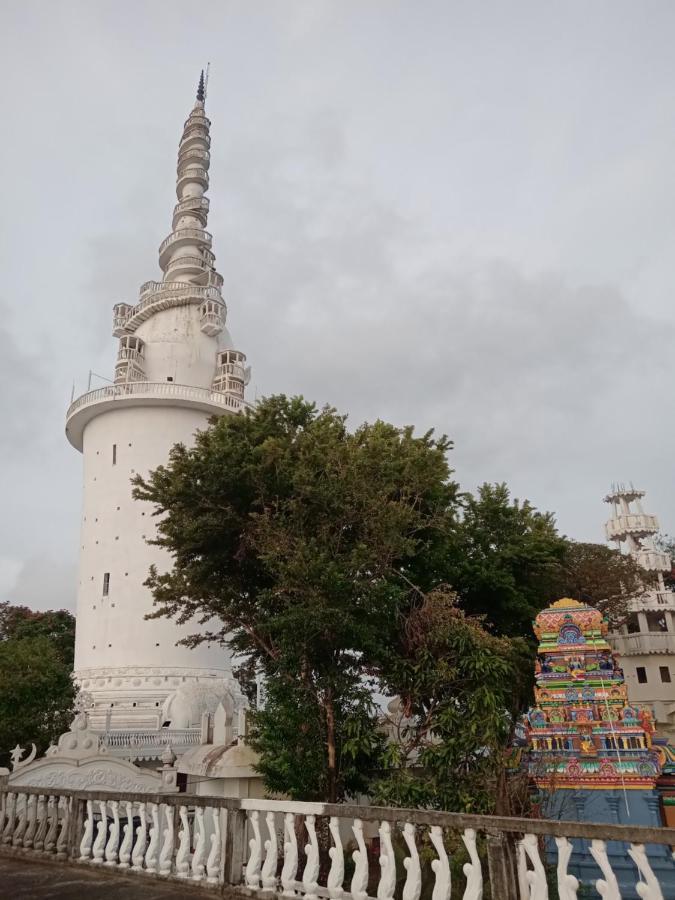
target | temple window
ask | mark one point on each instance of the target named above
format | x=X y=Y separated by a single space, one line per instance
x=633 y=623
x=641 y=673
x=656 y=621
x=664 y=672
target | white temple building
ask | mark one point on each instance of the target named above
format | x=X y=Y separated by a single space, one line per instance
x=176 y=367
x=646 y=641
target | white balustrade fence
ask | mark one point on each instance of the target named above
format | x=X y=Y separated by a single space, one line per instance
x=155 y=389
x=312 y=850
x=149 y=743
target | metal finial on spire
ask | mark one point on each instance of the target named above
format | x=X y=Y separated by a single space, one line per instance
x=200 y=87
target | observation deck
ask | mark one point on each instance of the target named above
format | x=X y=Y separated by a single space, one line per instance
x=193 y=156
x=644 y=643
x=145 y=393
x=195 y=206
x=180 y=238
x=158 y=295
x=196 y=174
x=637 y=525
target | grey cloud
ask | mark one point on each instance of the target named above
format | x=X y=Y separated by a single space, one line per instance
x=440 y=218
x=25 y=394
x=44 y=583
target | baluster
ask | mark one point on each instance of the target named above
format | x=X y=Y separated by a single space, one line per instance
x=536 y=877
x=20 y=830
x=62 y=839
x=608 y=888
x=200 y=841
x=138 y=853
x=213 y=862
x=441 y=866
x=568 y=885
x=127 y=836
x=10 y=811
x=387 y=885
x=413 y=882
x=183 y=855
x=269 y=869
x=472 y=870
x=359 y=884
x=31 y=820
x=255 y=854
x=166 y=853
x=523 y=883
x=39 y=842
x=114 y=839
x=151 y=852
x=101 y=833
x=337 y=865
x=311 y=872
x=53 y=814
x=31 y=826
x=290 y=867
x=649 y=888
x=88 y=837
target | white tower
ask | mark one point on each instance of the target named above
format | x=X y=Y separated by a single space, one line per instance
x=646 y=641
x=175 y=368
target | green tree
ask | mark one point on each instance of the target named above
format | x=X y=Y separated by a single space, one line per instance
x=666 y=543
x=507 y=562
x=602 y=577
x=458 y=688
x=58 y=625
x=503 y=560
x=36 y=688
x=302 y=543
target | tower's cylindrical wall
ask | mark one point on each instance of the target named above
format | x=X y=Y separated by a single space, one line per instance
x=113 y=636
x=176 y=349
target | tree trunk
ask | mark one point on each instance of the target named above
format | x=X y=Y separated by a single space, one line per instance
x=330 y=747
x=503 y=800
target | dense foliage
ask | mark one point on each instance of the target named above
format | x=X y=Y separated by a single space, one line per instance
x=299 y=539
x=457 y=689
x=36 y=689
x=335 y=563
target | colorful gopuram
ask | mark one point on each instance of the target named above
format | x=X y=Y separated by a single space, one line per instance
x=583 y=733
x=590 y=750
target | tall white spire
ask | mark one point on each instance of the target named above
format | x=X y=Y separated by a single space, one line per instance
x=189 y=278
x=186 y=255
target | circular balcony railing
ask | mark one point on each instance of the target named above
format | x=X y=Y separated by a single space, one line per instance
x=196 y=174
x=145 y=393
x=637 y=525
x=183 y=236
x=192 y=204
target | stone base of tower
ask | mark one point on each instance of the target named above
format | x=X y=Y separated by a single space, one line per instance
x=140 y=710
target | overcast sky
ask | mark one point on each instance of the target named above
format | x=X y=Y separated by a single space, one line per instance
x=458 y=215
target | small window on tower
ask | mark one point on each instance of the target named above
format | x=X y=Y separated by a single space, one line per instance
x=114 y=454
x=641 y=673
x=665 y=674
x=169 y=378
x=106 y=583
